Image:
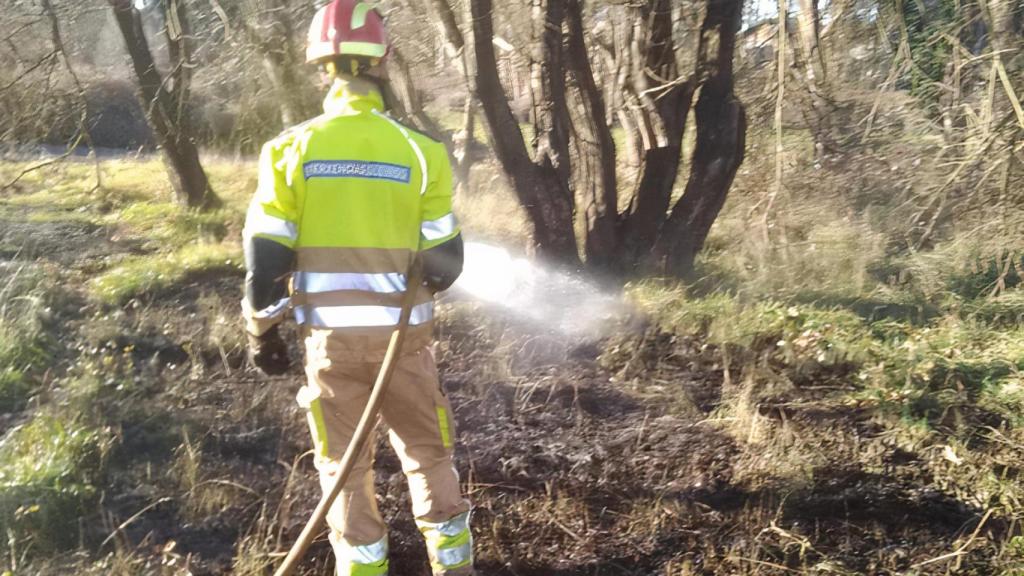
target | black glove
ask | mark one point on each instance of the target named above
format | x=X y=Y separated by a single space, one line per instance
x=269 y=353
x=442 y=264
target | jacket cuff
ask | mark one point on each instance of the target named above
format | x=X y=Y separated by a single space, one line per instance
x=257 y=322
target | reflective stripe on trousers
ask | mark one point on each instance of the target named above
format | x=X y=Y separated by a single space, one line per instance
x=366 y=560
x=449 y=543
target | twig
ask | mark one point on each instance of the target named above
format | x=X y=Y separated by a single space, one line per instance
x=941 y=193
x=226 y=483
x=18 y=30
x=566 y=529
x=1004 y=440
x=640 y=433
x=1008 y=87
x=223 y=16
x=779 y=105
x=30 y=69
x=478 y=487
x=43 y=164
x=133 y=518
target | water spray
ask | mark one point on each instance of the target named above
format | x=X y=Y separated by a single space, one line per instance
x=562 y=303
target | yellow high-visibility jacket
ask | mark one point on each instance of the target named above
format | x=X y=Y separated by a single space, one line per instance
x=352 y=196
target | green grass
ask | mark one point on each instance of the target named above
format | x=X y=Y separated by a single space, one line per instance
x=794 y=334
x=138 y=275
x=165 y=224
x=49 y=478
x=23 y=337
x=920 y=372
x=135 y=195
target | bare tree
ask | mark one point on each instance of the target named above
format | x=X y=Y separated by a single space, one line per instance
x=720 y=146
x=269 y=27
x=570 y=171
x=165 y=98
x=407 y=104
x=664 y=96
x=541 y=188
x=595 y=175
x=809 y=29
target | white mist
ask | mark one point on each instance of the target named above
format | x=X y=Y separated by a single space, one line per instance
x=560 y=302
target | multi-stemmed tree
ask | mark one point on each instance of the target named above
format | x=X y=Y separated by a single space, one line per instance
x=567 y=171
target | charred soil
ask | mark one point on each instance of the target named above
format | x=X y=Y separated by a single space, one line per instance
x=633 y=451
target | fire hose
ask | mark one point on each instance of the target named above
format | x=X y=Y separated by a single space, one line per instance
x=367 y=423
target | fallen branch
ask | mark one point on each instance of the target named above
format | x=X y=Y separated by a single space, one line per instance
x=43 y=164
x=1010 y=93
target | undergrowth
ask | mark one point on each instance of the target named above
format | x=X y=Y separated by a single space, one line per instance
x=917 y=371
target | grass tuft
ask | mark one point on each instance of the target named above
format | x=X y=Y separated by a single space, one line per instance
x=48 y=479
x=23 y=337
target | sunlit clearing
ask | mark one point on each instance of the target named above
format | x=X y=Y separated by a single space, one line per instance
x=562 y=302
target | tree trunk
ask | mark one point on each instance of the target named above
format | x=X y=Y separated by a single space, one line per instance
x=615 y=70
x=999 y=16
x=165 y=109
x=642 y=225
x=817 y=106
x=632 y=135
x=595 y=152
x=270 y=30
x=721 y=132
x=463 y=143
x=809 y=26
x=551 y=110
x=455 y=41
x=660 y=165
x=450 y=25
x=538 y=186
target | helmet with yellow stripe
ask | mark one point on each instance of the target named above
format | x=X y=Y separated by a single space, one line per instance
x=349 y=33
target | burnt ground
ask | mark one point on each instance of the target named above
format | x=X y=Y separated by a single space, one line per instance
x=629 y=452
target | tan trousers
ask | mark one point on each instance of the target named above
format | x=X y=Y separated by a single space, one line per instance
x=421 y=430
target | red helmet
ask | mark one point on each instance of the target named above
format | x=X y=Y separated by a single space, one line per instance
x=346 y=28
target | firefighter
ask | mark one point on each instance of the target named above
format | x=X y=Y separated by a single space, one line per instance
x=344 y=203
